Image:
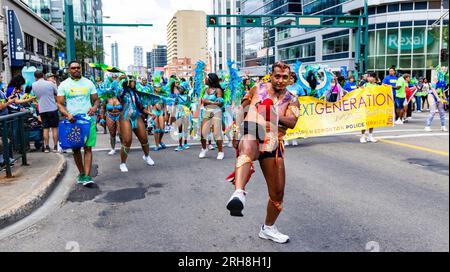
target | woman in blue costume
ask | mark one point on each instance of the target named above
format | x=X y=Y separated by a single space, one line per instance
x=158 y=109
x=131 y=121
x=183 y=112
x=111 y=111
x=211 y=115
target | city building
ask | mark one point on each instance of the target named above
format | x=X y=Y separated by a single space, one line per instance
x=31 y=40
x=137 y=71
x=258 y=43
x=115 y=54
x=157 y=57
x=227 y=42
x=85 y=11
x=138 y=54
x=187 y=36
x=182 y=68
x=405 y=34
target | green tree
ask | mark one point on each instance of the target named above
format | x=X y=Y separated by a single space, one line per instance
x=83 y=50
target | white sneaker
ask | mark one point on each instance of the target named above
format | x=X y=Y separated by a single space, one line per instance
x=237 y=203
x=286 y=143
x=230 y=144
x=272 y=233
x=203 y=153
x=428 y=129
x=444 y=129
x=399 y=122
x=371 y=139
x=148 y=160
x=409 y=119
x=363 y=139
x=124 y=168
x=294 y=143
x=211 y=147
x=419 y=111
x=112 y=152
x=220 y=156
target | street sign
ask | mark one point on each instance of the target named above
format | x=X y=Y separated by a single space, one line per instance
x=347 y=22
x=15 y=40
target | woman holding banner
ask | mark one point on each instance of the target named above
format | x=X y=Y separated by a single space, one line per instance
x=371 y=82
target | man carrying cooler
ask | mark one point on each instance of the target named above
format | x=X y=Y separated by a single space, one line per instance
x=78 y=95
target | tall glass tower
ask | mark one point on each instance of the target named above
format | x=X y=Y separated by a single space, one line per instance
x=259 y=43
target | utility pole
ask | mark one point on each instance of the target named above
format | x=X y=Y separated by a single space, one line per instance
x=366 y=35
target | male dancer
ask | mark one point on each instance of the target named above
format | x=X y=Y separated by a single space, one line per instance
x=270 y=110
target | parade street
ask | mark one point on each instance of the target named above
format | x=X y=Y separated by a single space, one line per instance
x=341 y=195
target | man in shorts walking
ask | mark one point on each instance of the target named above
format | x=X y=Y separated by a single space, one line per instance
x=77 y=95
x=46 y=92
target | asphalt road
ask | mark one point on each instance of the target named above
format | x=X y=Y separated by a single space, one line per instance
x=340 y=196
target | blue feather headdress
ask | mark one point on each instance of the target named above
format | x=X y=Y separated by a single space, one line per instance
x=199 y=78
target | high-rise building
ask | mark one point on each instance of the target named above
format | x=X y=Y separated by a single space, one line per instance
x=405 y=34
x=227 y=42
x=85 y=11
x=258 y=43
x=138 y=56
x=187 y=36
x=41 y=7
x=157 y=57
x=115 y=54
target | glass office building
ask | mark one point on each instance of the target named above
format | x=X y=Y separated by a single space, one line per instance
x=405 y=34
x=259 y=43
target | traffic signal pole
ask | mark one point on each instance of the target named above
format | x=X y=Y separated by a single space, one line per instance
x=366 y=36
x=360 y=22
x=70 y=30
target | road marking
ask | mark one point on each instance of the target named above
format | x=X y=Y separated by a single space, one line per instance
x=413 y=136
x=416 y=147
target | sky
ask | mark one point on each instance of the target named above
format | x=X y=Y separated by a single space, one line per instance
x=156 y=12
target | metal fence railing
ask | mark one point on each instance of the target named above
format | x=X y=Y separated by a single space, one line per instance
x=14 y=145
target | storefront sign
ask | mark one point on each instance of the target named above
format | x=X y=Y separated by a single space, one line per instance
x=16 y=40
x=407 y=41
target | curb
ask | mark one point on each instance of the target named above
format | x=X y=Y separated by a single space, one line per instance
x=36 y=198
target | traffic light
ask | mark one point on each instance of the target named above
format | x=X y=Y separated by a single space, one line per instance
x=4 y=47
x=213 y=20
x=444 y=56
x=251 y=21
x=357 y=66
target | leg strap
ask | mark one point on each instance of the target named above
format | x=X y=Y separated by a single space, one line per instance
x=242 y=160
x=144 y=145
x=277 y=204
x=125 y=149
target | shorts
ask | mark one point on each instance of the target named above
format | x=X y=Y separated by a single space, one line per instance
x=399 y=103
x=92 y=140
x=50 y=119
x=270 y=155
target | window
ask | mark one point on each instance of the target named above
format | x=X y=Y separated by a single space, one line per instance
x=420 y=5
x=29 y=43
x=393 y=8
x=407 y=6
x=336 y=45
x=381 y=9
x=40 y=47
x=49 y=51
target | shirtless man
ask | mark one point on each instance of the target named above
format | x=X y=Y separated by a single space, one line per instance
x=269 y=111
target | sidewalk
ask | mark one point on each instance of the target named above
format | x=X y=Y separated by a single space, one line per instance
x=29 y=187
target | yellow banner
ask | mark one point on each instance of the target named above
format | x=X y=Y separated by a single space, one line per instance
x=361 y=109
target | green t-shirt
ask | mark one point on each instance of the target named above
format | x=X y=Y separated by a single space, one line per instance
x=368 y=84
x=77 y=95
x=401 y=93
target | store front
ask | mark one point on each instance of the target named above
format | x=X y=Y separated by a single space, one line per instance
x=413 y=47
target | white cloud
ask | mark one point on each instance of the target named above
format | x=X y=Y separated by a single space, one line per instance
x=156 y=12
